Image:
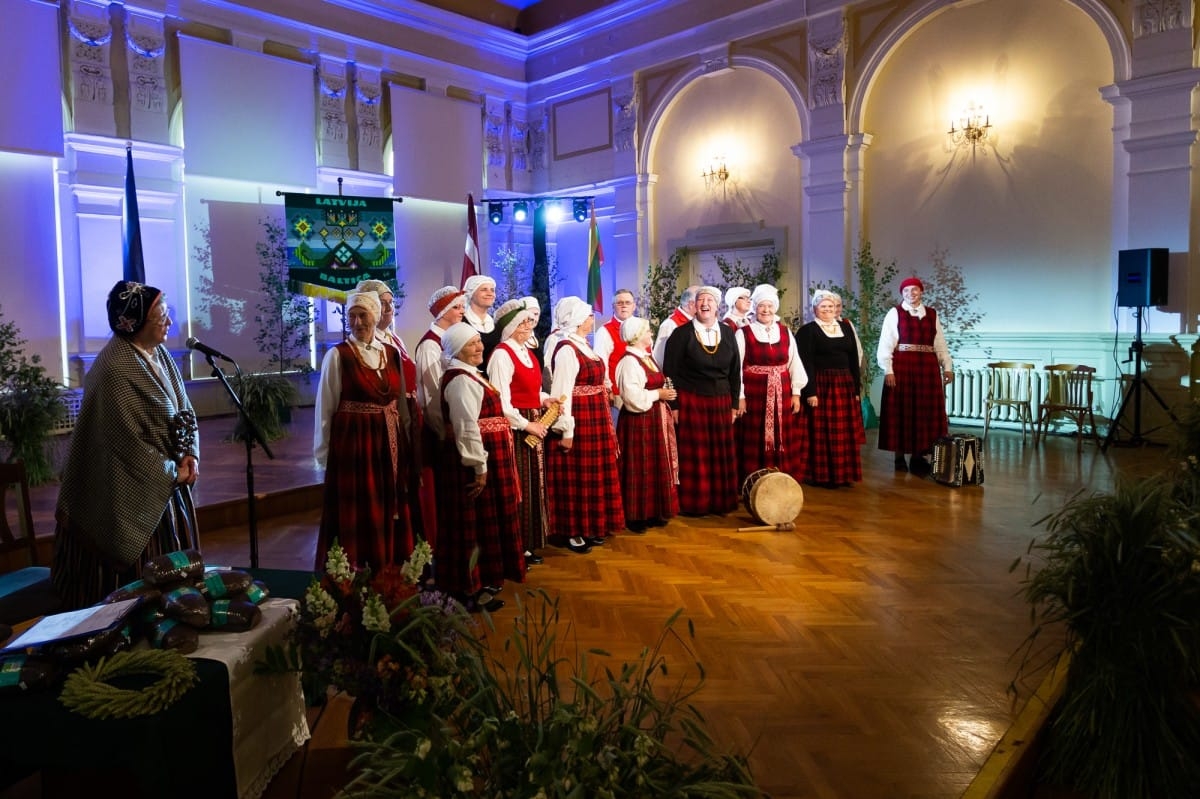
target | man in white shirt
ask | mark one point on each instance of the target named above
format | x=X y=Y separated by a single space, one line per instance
x=607 y=341
x=682 y=314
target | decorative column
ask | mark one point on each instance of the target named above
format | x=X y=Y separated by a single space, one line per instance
x=368 y=92
x=833 y=160
x=495 y=142
x=146 y=46
x=91 y=79
x=1155 y=140
x=333 y=136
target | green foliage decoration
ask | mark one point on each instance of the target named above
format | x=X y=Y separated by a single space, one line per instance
x=957 y=306
x=539 y=721
x=284 y=318
x=31 y=404
x=867 y=305
x=1120 y=573
x=660 y=289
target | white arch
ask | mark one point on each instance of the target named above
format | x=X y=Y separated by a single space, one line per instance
x=917 y=15
x=763 y=65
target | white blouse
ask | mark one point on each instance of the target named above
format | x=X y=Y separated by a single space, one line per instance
x=329 y=391
x=500 y=372
x=464 y=400
x=562 y=380
x=631 y=382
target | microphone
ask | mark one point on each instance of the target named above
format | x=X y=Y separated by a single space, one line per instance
x=194 y=343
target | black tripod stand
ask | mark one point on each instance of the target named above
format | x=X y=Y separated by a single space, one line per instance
x=1134 y=392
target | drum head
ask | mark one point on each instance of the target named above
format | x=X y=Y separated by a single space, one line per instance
x=776 y=498
x=751 y=479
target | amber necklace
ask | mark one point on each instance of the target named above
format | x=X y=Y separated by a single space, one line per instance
x=710 y=350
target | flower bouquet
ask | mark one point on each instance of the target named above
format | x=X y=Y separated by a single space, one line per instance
x=380 y=638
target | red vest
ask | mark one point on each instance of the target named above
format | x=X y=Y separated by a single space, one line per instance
x=526 y=386
x=619 y=346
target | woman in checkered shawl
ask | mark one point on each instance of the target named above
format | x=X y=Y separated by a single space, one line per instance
x=134 y=455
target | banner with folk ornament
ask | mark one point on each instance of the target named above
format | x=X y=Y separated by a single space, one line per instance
x=333 y=242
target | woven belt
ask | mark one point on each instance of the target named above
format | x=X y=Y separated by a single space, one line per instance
x=774 y=411
x=494 y=424
x=585 y=391
x=391 y=419
x=915 y=348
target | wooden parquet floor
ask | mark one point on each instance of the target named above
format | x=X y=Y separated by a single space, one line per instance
x=866 y=655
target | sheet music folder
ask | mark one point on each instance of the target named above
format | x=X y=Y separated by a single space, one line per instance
x=74 y=624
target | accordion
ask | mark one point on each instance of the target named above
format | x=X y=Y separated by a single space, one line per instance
x=958 y=460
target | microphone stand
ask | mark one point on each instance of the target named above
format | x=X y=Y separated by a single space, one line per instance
x=252 y=435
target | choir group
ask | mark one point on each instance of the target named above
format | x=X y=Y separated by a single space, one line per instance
x=491 y=447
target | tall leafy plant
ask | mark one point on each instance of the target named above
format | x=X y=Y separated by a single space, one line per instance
x=957 y=306
x=30 y=404
x=284 y=318
x=867 y=304
x=660 y=289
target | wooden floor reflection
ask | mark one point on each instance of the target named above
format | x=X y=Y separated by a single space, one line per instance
x=864 y=656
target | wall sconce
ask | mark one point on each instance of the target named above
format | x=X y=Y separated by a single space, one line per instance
x=971 y=129
x=716 y=174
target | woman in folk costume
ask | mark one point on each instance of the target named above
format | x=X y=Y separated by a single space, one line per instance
x=582 y=480
x=831 y=354
x=361 y=439
x=478 y=488
x=916 y=369
x=126 y=495
x=422 y=504
x=517 y=376
x=703 y=363
x=649 y=461
x=737 y=307
x=774 y=432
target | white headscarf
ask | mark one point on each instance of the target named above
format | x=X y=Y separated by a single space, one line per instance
x=820 y=295
x=365 y=299
x=509 y=317
x=444 y=299
x=570 y=313
x=455 y=338
x=764 y=292
x=474 y=282
x=732 y=294
x=632 y=328
x=713 y=290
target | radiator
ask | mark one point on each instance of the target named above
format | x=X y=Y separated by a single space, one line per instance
x=966 y=397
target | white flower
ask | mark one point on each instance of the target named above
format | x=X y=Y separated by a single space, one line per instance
x=320 y=607
x=463 y=780
x=421 y=557
x=375 y=615
x=337 y=565
x=423 y=747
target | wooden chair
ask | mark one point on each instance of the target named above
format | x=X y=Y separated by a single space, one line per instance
x=1010 y=385
x=25 y=592
x=1068 y=393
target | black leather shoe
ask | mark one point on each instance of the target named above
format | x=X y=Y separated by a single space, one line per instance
x=491 y=589
x=901 y=466
x=656 y=522
x=578 y=545
x=532 y=559
x=596 y=540
x=920 y=466
x=636 y=527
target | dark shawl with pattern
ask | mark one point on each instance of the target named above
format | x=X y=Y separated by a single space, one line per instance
x=122 y=462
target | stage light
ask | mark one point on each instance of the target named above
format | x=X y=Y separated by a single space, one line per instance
x=554 y=212
x=520 y=211
x=495 y=213
x=579 y=207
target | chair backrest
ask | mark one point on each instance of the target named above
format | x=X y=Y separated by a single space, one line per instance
x=16 y=520
x=1010 y=381
x=1069 y=386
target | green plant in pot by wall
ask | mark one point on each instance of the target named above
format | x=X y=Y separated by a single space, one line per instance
x=284 y=320
x=1121 y=574
x=30 y=404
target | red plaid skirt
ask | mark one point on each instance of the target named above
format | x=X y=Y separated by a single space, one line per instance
x=835 y=426
x=707 y=468
x=647 y=477
x=488 y=522
x=913 y=413
x=582 y=484
x=769 y=434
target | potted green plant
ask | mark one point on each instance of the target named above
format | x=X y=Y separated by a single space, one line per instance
x=284 y=320
x=660 y=289
x=1120 y=574
x=30 y=404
